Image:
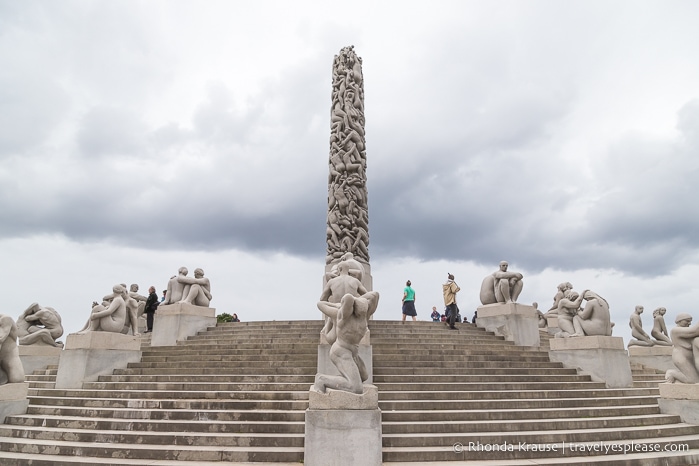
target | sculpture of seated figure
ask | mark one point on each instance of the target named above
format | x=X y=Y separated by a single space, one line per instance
x=568 y=306
x=197 y=290
x=352 y=315
x=560 y=294
x=501 y=286
x=39 y=326
x=542 y=323
x=685 y=351
x=140 y=299
x=641 y=337
x=659 y=332
x=109 y=316
x=594 y=319
x=11 y=369
x=175 y=288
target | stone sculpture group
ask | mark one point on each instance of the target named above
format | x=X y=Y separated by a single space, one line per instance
x=348 y=220
x=659 y=333
x=577 y=321
x=347 y=307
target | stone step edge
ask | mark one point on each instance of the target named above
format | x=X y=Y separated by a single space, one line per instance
x=145 y=434
x=38 y=459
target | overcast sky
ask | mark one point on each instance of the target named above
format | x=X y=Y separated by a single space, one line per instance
x=137 y=137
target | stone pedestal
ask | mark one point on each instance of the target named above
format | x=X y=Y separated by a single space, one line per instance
x=343 y=429
x=176 y=322
x=13 y=399
x=657 y=357
x=326 y=366
x=89 y=355
x=680 y=399
x=37 y=357
x=603 y=358
x=516 y=322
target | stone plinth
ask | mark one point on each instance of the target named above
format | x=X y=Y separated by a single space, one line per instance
x=604 y=358
x=13 y=399
x=657 y=357
x=326 y=366
x=176 y=322
x=516 y=322
x=89 y=355
x=343 y=429
x=680 y=399
x=37 y=357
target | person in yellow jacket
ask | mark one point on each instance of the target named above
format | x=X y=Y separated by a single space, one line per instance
x=449 y=289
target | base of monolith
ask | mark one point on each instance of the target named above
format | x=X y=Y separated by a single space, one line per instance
x=343 y=429
x=37 y=357
x=13 y=399
x=89 y=355
x=176 y=322
x=603 y=358
x=516 y=322
x=656 y=357
x=680 y=399
x=326 y=366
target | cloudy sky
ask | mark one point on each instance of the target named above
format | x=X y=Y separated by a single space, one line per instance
x=140 y=136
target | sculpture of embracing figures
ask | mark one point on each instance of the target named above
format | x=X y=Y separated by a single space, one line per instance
x=40 y=326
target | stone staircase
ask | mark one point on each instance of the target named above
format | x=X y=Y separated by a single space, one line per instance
x=237 y=393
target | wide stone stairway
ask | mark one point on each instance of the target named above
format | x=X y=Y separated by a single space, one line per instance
x=237 y=393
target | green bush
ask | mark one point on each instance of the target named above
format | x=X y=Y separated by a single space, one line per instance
x=224 y=317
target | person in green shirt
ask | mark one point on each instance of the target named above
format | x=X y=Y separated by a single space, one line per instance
x=409 y=301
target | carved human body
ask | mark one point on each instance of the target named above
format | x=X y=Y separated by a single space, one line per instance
x=501 y=286
x=109 y=316
x=685 y=351
x=334 y=290
x=11 y=369
x=351 y=315
x=594 y=319
x=641 y=338
x=659 y=332
x=39 y=325
x=197 y=290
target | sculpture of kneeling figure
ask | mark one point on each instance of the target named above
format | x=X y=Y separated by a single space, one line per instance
x=501 y=286
x=685 y=351
x=109 y=317
x=351 y=314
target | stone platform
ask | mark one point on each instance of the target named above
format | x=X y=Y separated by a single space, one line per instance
x=680 y=399
x=603 y=358
x=657 y=357
x=89 y=355
x=36 y=357
x=176 y=322
x=516 y=322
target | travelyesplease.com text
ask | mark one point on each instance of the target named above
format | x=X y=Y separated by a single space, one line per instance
x=604 y=448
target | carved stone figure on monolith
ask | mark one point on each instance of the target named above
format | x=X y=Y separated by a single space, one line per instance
x=351 y=315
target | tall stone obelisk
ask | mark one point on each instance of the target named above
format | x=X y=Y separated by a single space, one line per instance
x=348 y=214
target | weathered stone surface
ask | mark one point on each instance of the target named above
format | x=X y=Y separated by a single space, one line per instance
x=518 y=323
x=343 y=438
x=35 y=357
x=340 y=399
x=176 y=322
x=13 y=399
x=603 y=358
x=657 y=357
x=680 y=399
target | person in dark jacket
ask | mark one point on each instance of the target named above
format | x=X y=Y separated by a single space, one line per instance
x=151 y=306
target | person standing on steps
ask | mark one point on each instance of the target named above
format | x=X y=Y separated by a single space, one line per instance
x=436 y=316
x=449 y=290
x=409 y=302
x=151 y=307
